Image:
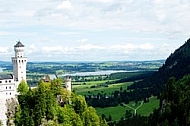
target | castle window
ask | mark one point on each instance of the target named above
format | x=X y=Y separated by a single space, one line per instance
x=6 y=87
x=9 y=81
x=9 y=87
x=6 y=93
x=0 y=81
x=10 y=93
x=6 y=81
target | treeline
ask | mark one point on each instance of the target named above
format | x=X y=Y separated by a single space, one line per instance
x=131 y=76
x=174 y=107
x=51 y=105
x=118 y=97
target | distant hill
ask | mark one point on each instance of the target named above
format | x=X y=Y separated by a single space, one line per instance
x=176 y=65
x=4 y=62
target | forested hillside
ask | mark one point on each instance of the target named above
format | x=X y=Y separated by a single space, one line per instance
x=176 y=65
x=172 y=84
x=174 y=107
x=51 y=105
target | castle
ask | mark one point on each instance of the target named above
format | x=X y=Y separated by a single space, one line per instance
x=9 y=82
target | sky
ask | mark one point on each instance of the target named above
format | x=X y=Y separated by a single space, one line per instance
x=93 y=30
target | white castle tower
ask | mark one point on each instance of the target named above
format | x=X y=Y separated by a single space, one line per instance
x=68 y=83
x=9 y=82
x=19 y=63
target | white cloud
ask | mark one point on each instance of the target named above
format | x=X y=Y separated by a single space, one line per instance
x=89 y=47
x=95 y=26
x=104 y=1
x=131 y=46
x=68 y=33
x=31 y=49
x=52 y=49
x=4 y=50
x=3 y=33
x=65 y=5
x=84 y=40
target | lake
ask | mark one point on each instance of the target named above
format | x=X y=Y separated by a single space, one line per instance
x=107 y=72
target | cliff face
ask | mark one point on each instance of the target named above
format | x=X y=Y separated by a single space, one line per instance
x=11 y=105
x=3 y=111
x=7 y=111
x=176 y=65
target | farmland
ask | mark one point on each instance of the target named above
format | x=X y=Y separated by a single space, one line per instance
x=103 y=88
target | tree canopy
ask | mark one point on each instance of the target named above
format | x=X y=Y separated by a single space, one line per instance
x=40 y=106
x=22 y=87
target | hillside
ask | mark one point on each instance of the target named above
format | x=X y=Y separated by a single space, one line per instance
x=176 y=65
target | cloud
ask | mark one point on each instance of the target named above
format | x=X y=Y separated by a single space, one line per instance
x=107 y=28
x=31 y=49
x=52 y=49
x=89 y=47
x=131 y=46
x=4 y=33
x=65 y=5
x=89 y=51
x=82 y=40
x=68 y=33
x=4 y=50
x=104 y=1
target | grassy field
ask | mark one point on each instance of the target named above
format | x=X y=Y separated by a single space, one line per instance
x=148 y=107
x=85 y=89
x=116 y=112
x=119 y=111
x=103 y=87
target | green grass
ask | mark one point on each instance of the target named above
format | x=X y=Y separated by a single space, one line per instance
x=116 y=112
x=147 y=108
x=85 y=89
x=119 y=111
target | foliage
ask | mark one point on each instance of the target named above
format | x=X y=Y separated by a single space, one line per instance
x=175 y=103
x=1 y=124
x=40 y=107
x=174 y=107
x=22 y=87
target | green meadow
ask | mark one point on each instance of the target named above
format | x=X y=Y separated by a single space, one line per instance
x=119 y=111
x=87 y=90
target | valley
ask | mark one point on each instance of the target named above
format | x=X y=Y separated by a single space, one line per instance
x=101 y=82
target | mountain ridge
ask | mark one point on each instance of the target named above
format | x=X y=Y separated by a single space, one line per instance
x=176 y=65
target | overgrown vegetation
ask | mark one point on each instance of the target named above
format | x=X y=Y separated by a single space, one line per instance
x=51 y=105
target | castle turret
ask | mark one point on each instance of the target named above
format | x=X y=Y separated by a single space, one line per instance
x=19 y=63
x=68 y=83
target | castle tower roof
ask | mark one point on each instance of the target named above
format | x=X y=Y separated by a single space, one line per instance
x=19 y=44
